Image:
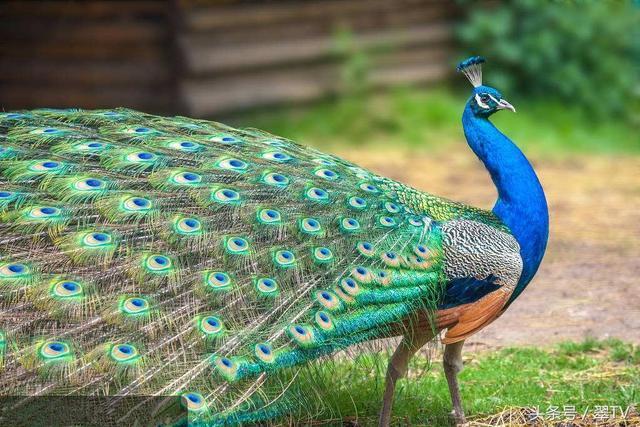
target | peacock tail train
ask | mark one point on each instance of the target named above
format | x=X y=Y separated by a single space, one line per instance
x=152 y=256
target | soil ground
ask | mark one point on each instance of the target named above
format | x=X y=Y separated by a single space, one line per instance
x=587 y=285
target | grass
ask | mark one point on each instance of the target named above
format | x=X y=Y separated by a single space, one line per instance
x=430 y=118
x=582 y=374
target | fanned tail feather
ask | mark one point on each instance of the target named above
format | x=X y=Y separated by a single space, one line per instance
x=151 y=256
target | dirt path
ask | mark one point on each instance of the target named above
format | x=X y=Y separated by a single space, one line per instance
x=588 y=284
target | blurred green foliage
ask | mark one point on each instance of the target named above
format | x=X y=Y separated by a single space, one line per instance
x=561 y=63
x=585 y=52
x=431 y=119
x=355 y=63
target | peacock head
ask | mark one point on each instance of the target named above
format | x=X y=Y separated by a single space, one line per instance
x=484 y=100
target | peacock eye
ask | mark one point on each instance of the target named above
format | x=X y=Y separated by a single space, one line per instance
x=484 y=98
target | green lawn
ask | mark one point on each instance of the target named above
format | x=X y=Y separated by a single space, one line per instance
x=430 y=118
x=575 y=374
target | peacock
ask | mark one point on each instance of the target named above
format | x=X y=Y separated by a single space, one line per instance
x=183 y=271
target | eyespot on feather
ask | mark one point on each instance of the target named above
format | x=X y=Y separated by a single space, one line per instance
x=366 y=249
x=225 y=139
x=349 y=286
x=66 y=289
x=264 y=352
x=276 y=156
x=322 y=255
x=193 y=402
x=269 y=216
x=218 y=280
x=124 y=353
x=309 y=226
x=53 y=351
x=275 y=179
x=236 y=245
x=349 y=225
x=232 y=164
x=303 y=335
x=266 y=286
x=327 y=174
x=316 y=194
x=357 y=203
x=328 y=300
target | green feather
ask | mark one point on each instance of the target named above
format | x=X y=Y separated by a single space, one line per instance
x=64 y=298
x=15 y=274
x=132 y=159
x=24 y=170
x=89 y=246
x=37 y=218
x=128 y=208
x=52 y=359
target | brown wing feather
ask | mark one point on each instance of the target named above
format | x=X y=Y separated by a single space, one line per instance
x=467 y=319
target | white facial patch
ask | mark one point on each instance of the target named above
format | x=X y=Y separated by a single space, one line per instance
x=480 y=103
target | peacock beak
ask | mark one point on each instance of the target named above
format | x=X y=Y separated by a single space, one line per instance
x=504 y=105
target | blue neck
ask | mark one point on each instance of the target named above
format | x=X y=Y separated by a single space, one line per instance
x=521 y=203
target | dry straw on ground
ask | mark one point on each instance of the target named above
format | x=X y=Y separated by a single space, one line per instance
x=527 y=417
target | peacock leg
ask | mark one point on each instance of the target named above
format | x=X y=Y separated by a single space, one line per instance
x=452 y=362
x=409 y=345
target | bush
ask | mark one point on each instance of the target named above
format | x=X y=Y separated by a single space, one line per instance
x=584 y=52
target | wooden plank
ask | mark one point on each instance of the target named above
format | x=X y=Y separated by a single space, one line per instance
x=425 y=72
x=90 y=9
x=148 y=98
x=440 y=54
x=85 y=54
x=84 y=73
x=133 y=31
x=273 y=13
x=237 y=54
x=303 y=29
x=205 y=97
x=200 y=59
x=83 y=51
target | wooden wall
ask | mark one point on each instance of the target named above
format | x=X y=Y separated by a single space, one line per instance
x=205 y=58
x=85 y=53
